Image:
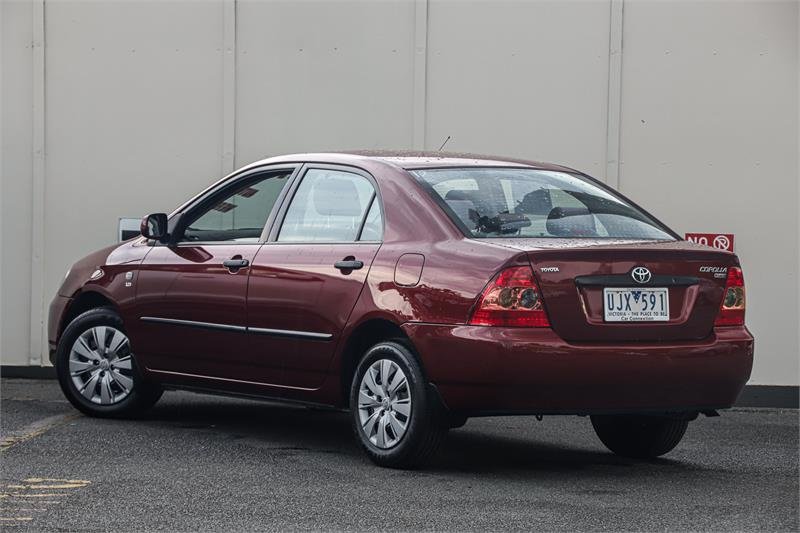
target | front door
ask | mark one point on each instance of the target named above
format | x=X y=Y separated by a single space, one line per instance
x=306 y=280
x=192 y=295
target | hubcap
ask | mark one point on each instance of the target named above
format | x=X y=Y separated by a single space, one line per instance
x=384 y=403
x=101 y=365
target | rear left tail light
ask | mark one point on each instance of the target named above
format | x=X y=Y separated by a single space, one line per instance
x=512 y=298
x=731 y=311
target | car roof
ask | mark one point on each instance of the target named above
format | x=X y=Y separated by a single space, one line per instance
x=410 y=159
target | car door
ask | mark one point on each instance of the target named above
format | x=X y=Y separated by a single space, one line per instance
x=306 y=279
x=191 y=295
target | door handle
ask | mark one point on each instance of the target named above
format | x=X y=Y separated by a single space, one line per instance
x=349 y=265
x=235 y=264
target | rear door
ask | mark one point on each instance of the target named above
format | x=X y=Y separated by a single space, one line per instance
x=305 y=280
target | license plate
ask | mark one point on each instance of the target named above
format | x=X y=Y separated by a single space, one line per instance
x=636 y=305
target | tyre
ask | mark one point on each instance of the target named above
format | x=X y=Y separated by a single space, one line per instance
x=640 y=437
x=396 y=418
x=97 y=370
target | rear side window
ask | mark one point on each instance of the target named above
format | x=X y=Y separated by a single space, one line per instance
x=502 y=202
x=332 y=206
x=373 y=223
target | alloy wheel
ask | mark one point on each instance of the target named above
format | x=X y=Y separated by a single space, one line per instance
x=384 y=403
x=101 y=365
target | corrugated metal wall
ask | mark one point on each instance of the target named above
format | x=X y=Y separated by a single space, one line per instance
x=113 y=109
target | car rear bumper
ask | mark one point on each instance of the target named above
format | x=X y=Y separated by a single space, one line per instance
x=492 y=370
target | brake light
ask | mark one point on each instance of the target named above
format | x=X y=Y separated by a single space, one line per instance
x=512 y=298
x=731 y=312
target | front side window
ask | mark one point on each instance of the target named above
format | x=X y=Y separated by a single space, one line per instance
x=241 y=215
x=503 y=202
x=331 y=206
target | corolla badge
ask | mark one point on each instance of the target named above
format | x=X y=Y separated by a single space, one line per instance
x=641 y=275
x=719 y=272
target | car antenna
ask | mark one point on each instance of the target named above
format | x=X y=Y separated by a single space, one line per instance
x=445 y=142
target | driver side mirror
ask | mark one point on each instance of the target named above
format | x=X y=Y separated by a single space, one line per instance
x=155 y=226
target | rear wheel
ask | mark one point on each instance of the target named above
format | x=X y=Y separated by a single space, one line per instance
x=97 y=370
x=395 y=417
x=638 y=436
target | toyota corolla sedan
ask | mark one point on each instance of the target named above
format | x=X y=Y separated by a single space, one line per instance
x=415 y=291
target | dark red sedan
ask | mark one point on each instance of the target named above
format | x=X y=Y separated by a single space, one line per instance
x=417 y=290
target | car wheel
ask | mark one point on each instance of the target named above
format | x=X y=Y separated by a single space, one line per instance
x=395 y=416
x=641 y=437
x=97 y=370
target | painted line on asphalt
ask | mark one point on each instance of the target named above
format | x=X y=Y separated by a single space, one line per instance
x=23 y=495
x=28 y=502
x=46 y=495
x=51 y=480
x=35 y=429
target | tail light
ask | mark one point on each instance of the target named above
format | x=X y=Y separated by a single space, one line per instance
x=512 y=298
x=731 y=312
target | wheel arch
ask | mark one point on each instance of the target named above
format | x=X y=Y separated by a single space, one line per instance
x=364 y=336
x=84 y=301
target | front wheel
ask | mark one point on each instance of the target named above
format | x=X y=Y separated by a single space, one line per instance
x=97 y=370
x=395 y=417
x=639 y=436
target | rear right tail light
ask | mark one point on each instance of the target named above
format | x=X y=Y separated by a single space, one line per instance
x=512 y=298
x=731 y=311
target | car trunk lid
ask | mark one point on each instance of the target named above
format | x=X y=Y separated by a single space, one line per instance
x=573 y=274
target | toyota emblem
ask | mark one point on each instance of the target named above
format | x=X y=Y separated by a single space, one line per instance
x=641 y=275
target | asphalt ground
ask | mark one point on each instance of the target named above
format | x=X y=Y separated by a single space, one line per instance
x=212 y=464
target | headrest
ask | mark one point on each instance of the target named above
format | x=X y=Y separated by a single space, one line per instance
x=536 y=202
x=455 y=194
x=336 y=196
x=571 y=222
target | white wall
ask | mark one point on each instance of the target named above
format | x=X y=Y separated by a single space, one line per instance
x=16 y=167
x=710 y=143
x=526 y=79
x=140 y=104
x=322 y=76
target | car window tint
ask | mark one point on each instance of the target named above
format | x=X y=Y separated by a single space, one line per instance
x=328 y=206
x=503 y=202
x=373 y=224
x=240 y=216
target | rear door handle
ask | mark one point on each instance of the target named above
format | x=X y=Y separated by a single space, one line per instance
x=349 y=265
x=235 y=264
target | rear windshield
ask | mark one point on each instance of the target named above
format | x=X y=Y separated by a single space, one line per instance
x=503 y=202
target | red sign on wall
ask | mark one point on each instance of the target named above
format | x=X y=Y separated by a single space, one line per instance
x=723 y=241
